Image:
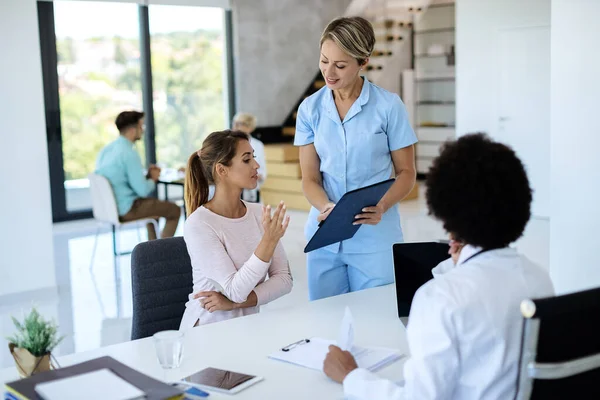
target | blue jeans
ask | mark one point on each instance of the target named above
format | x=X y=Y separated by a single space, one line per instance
x=330 y=274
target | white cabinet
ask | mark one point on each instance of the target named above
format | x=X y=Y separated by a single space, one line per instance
x=434 y=90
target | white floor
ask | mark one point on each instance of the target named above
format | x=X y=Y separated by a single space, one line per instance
x=92 y=313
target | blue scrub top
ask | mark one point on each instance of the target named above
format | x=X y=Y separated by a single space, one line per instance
x=355 y=153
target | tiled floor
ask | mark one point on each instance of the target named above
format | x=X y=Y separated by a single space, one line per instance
x=93 y=308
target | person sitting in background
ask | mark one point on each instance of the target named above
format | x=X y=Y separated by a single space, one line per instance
x=120 y=163
x=246 y=123
x=232 y=244
x=464 y=329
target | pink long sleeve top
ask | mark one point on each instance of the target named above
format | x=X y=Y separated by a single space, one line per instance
x=222 y=253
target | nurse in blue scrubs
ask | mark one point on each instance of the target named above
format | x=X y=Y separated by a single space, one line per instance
x=352 y=134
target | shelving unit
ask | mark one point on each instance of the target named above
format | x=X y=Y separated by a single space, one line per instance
x=434 y=88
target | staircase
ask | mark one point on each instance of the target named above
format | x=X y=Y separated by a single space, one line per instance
x=393 y=22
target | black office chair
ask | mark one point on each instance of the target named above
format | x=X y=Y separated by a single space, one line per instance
x=161 y=279
x=560 y=352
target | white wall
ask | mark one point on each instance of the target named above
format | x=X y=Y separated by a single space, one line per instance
x=277 y=52
x=575 y=140
x=26 y=251
x=480 y=27
x=477 y=26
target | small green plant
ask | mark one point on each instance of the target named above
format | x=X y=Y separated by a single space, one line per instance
x=35 y=334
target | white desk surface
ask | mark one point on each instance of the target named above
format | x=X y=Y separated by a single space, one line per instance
x=243 y=345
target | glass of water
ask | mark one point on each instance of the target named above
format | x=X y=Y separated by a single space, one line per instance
x=169 y=348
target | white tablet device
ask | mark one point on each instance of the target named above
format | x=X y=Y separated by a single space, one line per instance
x=221 y=381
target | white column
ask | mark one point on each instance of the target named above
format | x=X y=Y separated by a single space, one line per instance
x=26 y=249
x=575 y=145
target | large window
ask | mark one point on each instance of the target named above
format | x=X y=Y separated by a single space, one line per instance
x=98 y=58
x=98 y=77
x=187 y=73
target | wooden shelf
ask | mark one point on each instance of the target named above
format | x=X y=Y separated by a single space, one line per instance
x=431 y=31
x=441 y=5
x=436 y=103
x=431 y=55
x=438 y=79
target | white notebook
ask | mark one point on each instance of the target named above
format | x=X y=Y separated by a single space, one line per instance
x=312 y=354
x=97 y=385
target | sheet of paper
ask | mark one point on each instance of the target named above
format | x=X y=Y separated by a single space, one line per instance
x=312 y=355
x=374 y=358
x=102 y=384
x=346 y=335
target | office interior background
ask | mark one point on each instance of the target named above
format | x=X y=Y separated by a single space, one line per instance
x=525 y=72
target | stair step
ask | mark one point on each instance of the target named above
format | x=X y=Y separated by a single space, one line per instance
x=288 y=131
x=282 y=153
x=279 y=184
x=284 y=170
x=400 y=11
x=388 y=38
x=381 y=53
x=390 y=23
x=319 y=84
x=293 y=201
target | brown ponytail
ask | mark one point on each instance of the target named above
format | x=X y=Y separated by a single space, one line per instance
x=218 y=148
x=195 y=189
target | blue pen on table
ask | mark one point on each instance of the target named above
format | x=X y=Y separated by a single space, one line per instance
x=190 y=390
x=9 y=396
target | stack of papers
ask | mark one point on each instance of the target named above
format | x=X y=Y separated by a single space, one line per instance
x=97 y=385
x=312 y=355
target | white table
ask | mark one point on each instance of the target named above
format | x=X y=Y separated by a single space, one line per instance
x=243 y=345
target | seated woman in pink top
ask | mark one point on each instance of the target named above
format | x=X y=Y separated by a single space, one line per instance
x=233 y=245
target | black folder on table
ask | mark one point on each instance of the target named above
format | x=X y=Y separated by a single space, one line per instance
x=413 y=263
x=338 y=225
x=154 y=389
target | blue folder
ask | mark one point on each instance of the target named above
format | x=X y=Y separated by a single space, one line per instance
x=339 y=224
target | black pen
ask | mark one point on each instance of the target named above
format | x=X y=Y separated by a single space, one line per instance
x=291 y=346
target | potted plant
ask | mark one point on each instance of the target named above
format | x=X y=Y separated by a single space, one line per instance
x=32 y=344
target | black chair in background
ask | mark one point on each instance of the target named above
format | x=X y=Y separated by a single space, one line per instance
x=161 y=280
x=560 y=352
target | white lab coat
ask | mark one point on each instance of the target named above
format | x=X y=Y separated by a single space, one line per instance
x=464 y=331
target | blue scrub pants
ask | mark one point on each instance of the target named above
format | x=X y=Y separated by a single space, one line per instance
x=330 y=274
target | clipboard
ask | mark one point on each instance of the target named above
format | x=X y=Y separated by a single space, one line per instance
x=339 y=224
x=312 y=352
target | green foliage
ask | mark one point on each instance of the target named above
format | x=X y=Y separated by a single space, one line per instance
x=99 y=76
x=66 y=50
x=120 y=56
x=187 y=73
x=35 y=334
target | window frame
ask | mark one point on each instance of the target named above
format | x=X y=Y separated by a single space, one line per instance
x=49 y=57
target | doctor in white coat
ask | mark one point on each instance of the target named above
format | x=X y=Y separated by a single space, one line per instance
x=464 y=330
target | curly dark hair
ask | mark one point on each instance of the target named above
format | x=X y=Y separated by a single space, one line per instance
x=479 y=189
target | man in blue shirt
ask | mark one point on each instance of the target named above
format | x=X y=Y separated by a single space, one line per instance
x=120 y=163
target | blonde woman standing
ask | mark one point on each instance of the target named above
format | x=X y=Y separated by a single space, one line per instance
x=353 y=134
x=245 y=122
